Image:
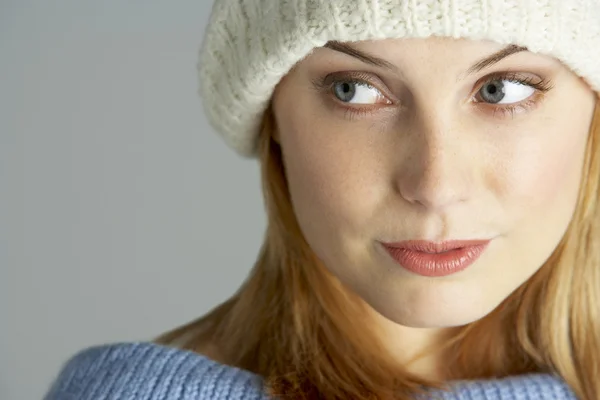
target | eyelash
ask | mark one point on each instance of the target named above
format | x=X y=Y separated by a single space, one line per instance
x=327 y=84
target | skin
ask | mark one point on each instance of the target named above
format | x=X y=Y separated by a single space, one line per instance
x=431 y=159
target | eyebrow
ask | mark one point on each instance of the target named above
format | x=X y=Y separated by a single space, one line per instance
x=379 y=62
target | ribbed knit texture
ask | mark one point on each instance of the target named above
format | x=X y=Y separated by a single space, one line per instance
x=250 y=45
x=146 y=371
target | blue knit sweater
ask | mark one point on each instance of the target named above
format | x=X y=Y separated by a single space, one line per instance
x=146 y=371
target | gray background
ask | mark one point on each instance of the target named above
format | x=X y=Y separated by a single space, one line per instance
x=122 y=213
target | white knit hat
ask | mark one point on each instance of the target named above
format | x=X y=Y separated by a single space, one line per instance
x=250 y=45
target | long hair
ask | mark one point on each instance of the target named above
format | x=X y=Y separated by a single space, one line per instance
x=295 y=325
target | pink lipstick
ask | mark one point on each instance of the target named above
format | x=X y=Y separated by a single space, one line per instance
x=436 y=259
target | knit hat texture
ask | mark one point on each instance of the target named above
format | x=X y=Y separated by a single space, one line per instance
x=249 y=45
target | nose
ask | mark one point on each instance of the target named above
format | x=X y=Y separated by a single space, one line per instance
x=439 y=170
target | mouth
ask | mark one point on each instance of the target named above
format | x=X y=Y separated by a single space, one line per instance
x=433 y=259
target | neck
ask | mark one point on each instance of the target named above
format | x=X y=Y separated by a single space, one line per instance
x=418 y=349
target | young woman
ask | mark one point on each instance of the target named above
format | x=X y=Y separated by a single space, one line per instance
x=431 y=177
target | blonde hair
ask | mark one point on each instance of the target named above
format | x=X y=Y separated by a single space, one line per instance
x=294 y=324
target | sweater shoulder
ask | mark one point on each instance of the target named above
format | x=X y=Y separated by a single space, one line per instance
x=148 y=371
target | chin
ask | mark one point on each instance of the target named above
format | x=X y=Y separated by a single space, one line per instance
x=437 y=321
x=435 y=311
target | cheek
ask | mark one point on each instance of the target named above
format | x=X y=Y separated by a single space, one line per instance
x=543 y=171
x=539 y=195
x=334 y=184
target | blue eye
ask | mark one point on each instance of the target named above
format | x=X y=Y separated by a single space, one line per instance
x=356 y=92
x=504 y=92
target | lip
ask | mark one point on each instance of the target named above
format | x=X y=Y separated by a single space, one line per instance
x=436 y=259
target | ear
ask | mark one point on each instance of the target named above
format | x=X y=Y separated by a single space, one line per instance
x=269 y=120
x=275 y=135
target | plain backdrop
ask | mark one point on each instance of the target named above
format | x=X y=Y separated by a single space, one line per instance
x=122 y=213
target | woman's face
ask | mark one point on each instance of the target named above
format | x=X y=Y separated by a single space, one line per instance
x=430 y=144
